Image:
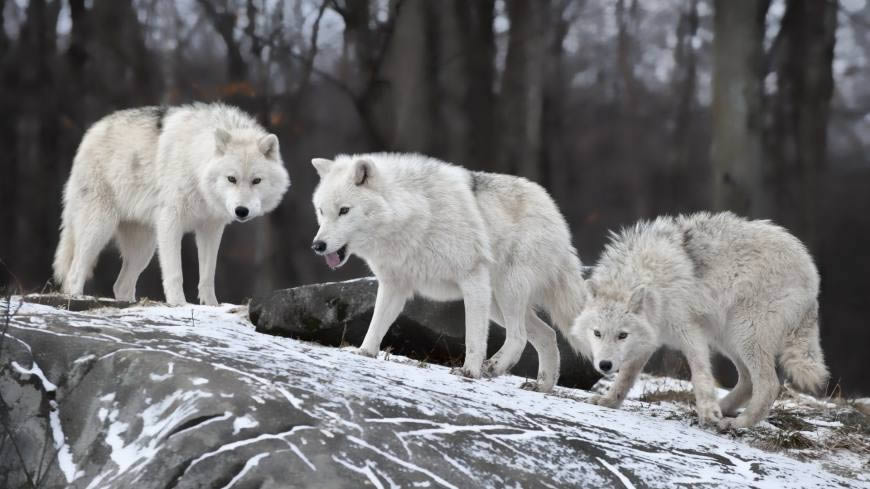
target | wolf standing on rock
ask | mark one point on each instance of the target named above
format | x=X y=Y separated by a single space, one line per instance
x=438 y=230
x=147 y=176
x=745 y=288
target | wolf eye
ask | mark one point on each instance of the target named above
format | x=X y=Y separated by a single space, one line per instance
x=343 y=211
x=622 y=335
x=597 y=333
x=232 y=179
x=256 y=181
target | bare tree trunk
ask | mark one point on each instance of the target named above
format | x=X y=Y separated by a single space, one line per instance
x=522 y=88
x=676 y=175
x=736 y=154
x=464 y=77
x=798 y=137
x=554 y=157
x=476 y=19
x=410 y=71
x=224 y=22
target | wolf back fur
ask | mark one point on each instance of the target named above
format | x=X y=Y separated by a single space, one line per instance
x=146 y=176
x=747 y=289
x=434 y=229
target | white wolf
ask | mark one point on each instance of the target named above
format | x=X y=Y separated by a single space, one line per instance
x=146 y=176
x=438 y=230
x=745 y=288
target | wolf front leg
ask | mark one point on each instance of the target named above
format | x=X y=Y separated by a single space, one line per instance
x=625 y=379
x=698 y=356
x=169 y=234
x=208 y=241
x=389 y=302
x=477 y=295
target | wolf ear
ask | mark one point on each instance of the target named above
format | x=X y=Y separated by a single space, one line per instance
x=592 y=286
x=362 y=172
x=268 y=145
x=221 y=141
x=639 y=298
x=322 y=165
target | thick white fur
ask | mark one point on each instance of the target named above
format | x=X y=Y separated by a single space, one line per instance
x=438 y=230
x=745 y=288
x=147 y=176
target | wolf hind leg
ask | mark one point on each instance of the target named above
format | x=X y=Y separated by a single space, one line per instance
x=741 y=392
x=513 y=310
x=758 y=357
x=93 y=228
x=543 y=338
x=137 y=244
x=477 y=296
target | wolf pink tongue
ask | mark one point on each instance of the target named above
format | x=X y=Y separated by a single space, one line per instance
x=332 y=260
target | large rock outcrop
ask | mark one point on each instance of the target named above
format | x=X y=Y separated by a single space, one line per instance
x=338 y=313
x=194 y=397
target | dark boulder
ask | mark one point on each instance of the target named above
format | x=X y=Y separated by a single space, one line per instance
x=338 y=313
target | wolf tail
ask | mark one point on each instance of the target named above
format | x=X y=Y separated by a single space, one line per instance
x=567 y=297
x=63 y=257
x=802 y=359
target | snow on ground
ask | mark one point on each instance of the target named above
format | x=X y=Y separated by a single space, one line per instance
x=653 y=441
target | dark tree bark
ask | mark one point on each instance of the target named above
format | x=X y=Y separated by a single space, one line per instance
x=410 y=73
x=366 y=44
x=676 y=176
x=554 y=154
x=224 y=22
x=736 y=153
x=463 y=50
x=797 y=139
x=522 y=88
x=476 y=20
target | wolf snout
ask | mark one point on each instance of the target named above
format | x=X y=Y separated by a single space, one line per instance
x=605 y=365
x=242 y=212
x=318 y=246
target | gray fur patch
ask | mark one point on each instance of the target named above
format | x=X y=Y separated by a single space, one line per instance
x=159 y=114
x=697 y=265
x=479 y=181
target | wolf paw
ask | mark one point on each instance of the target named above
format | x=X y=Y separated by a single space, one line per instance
x=465 y=372
x=536 y=386
x=729 y=424
x=207 y=298
x=363 y=353
x=605 y=401
x=176 y=299
x=490 y=368
x=544 y=383
x=709 y=412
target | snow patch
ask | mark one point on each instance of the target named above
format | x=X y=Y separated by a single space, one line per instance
x=161 y=378
x=47 y=385
x=242 y=423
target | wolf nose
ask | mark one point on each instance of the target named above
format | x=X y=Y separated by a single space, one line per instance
x=242 y=211
x=604 y=365
x=319 y=246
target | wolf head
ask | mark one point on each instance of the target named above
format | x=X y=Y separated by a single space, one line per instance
x=349 y=207
x=617 y=331
x=246 y=177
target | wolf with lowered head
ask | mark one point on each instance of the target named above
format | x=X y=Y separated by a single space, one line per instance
x=702 y=283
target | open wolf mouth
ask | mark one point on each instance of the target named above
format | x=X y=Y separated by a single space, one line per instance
x=336 y=258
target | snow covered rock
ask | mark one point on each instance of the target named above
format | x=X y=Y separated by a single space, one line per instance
x=338 y=313
x=183 y=397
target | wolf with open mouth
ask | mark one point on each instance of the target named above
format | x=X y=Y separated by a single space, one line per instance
x=440 y=231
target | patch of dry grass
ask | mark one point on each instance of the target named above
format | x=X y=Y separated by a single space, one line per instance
x=677 y=396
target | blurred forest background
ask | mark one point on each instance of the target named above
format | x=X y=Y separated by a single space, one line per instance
x=623 y=109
